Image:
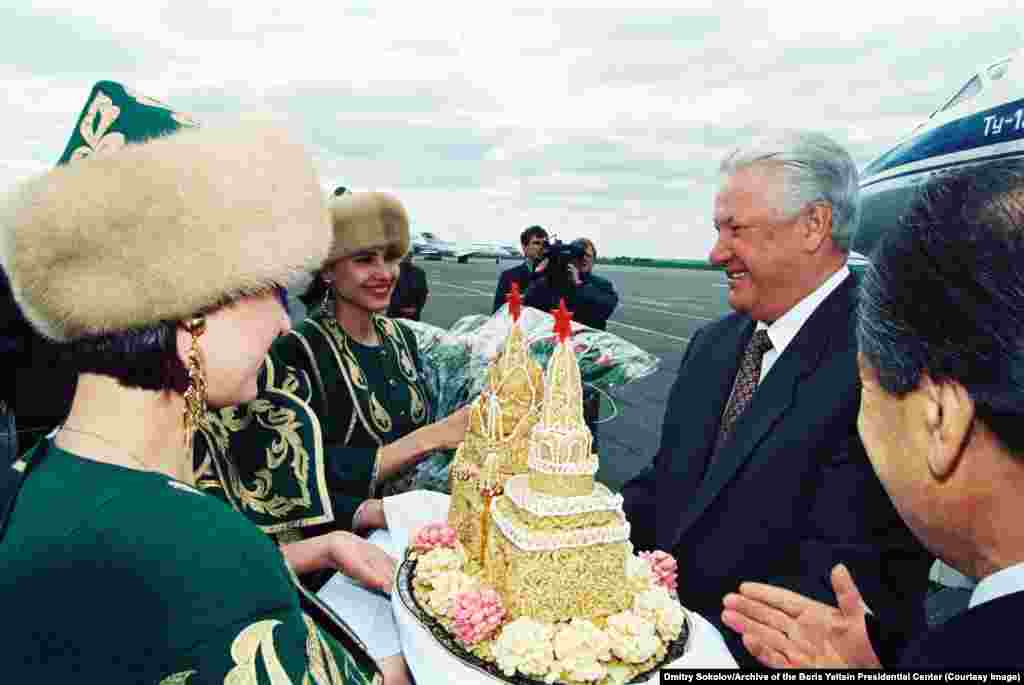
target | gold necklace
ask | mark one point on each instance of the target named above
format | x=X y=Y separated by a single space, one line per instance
x=111 y=443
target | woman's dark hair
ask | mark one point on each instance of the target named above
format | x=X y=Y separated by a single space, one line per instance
x=145 y=358
x=315 y=293
x=945 y=294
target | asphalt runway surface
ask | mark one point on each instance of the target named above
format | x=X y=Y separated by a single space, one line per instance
x=659 y=309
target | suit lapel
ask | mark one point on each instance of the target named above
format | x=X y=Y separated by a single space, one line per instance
x=773 y=398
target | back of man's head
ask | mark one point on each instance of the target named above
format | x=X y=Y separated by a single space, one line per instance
x=945 y=295
x=814 y=168
x=531 y=233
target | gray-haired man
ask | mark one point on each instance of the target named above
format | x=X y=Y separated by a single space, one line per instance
x=760 y=473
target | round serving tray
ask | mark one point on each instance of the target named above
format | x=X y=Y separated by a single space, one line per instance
x=404 y=582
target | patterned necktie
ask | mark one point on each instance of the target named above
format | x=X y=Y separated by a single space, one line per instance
x=746 y=383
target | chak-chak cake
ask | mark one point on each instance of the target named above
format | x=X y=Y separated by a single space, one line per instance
x=559 y=542
x=555 y=594
x=498 y=437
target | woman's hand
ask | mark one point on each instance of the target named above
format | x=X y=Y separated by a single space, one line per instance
x=346 y=552
x=369 y=516
x=362 y=561
x=783 y=629
x=411 y=448
x=452 y=430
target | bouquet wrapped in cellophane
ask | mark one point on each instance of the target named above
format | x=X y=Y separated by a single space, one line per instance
x=455 y=363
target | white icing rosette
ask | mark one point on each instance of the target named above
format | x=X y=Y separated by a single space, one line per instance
x=438 y=561
x=639 y=574
x=445 y=587
x=633 y=638
x=525 y=646
x=580 y=647
x=659 y=607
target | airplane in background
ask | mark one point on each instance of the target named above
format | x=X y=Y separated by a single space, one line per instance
x=428 y=245
x=983 y=121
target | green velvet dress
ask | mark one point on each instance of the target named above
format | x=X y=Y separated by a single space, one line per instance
x=112 y=575
x=300 y=459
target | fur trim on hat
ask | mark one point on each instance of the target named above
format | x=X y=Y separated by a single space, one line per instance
x=162 y=230
x=365 y=220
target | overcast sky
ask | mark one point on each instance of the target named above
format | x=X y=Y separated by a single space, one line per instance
x=607 y=123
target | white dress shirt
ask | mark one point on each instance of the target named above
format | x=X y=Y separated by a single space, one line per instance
x=1004 y=582
x=784 y=329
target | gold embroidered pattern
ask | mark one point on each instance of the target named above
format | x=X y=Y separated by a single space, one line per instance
x=178 y=678
x=284 y=482
x=418 y=408
x=256 y=639
x=97 y=121
x=180 y=117
x=380 y=414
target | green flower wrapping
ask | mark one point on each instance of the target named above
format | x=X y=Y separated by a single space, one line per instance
x=455 y=363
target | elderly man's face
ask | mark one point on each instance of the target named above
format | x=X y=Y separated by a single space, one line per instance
x=758 y=245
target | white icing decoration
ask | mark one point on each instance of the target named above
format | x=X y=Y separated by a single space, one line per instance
x=531 y=541
x=517 y=489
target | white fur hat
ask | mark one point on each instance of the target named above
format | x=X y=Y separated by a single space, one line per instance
x=364 y=220
x=162 y=230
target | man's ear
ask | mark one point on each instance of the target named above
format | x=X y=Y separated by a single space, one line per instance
x=818 y=224
x=949 y=415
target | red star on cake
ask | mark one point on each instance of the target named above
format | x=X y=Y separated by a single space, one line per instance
x=515 y=302
x=563 y=321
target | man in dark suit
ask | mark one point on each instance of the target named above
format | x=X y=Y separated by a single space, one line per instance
x=410 y=293
x=760 y=473
x=532 y=240
x=939 y=334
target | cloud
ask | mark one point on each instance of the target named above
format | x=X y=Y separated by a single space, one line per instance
x=606 y=123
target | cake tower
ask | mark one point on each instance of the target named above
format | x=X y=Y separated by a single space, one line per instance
x=498 y=437
x=558 y=543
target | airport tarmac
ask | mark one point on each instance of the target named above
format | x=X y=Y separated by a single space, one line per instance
x=659 y=309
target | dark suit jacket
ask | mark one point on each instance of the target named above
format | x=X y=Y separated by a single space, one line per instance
x=978 y=639
x=517 y=274
x=590 y=303
x=791 y=494
x=410 y=291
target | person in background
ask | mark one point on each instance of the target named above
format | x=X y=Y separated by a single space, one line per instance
x=532 y=241
x=760 y=473
x=940 y=331
x=410 y=293
x=118 y=569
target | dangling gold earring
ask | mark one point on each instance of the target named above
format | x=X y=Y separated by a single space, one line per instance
x=327 y=305
x=195 y=395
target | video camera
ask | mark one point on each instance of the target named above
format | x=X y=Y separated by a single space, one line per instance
x=559 y=256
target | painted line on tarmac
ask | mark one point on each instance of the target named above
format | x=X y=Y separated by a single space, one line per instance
x=610 y=322
x=668 y=313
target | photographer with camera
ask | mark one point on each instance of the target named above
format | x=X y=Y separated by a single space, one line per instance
x=566 y=271
x=532 y=240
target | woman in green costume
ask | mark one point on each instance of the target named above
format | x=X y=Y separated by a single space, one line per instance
x=158 y=264
x=343 y=413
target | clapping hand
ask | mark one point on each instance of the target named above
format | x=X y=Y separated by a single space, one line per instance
x=574 y=274
x=783 y=629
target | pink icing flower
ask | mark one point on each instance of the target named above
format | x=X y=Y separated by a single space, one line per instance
x=434 y=535
x=604 y=360
x=477 y=615
x=664 y=567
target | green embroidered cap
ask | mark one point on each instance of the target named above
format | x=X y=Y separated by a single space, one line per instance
x=113 y=116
